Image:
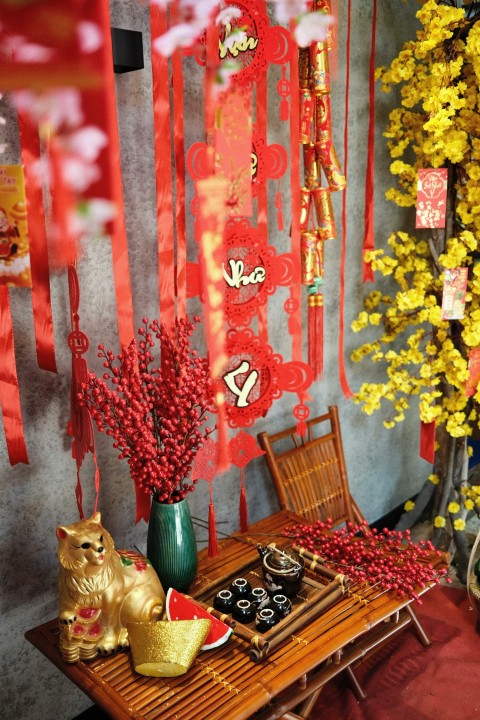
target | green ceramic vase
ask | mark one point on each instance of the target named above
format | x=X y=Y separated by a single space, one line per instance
x=171 y=544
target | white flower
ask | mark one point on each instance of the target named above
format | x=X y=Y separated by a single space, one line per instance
x=56 y=107
x=90 y=217
x=87 y=142
x=32 y=53
x=78 y=174
x=286 y=10
x=312 y=27
x=182 y=35
x=90 y=36
x=227 y=14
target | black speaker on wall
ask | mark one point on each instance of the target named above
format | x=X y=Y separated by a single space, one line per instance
x=127 y=49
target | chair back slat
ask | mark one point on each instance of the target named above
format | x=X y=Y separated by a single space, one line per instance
x=309 y=473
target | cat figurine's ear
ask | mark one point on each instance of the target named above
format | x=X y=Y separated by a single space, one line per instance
x=97 y=518
x=62 y=532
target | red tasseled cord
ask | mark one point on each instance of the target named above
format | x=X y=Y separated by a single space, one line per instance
x=243 y=510
x=315 y=334
x=212 y=528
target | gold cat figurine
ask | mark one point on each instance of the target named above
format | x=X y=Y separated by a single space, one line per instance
x=101 y=590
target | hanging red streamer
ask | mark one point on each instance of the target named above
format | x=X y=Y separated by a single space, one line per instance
x=100 y=109
x=179 y=149
x=9 y=392
x=341 y=351
x=163 y=169
x=369 y=215
x=37 y=241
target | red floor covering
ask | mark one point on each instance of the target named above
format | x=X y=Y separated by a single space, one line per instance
x=405 y=681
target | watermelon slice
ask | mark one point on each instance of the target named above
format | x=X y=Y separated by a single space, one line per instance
x=181 y=607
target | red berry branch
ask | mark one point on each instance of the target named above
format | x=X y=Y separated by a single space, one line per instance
x=388 y=559
x=154 y=411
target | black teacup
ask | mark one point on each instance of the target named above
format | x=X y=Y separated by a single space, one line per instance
x=224 y=601
x=241 y=588
x=244 y=611
x=266 y=619
x=281 y=604
x=259 y=598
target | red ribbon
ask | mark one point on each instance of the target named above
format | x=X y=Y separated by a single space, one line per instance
x=9 y=391
x=163 y=170
x=37 y=240
x=369 y=217
x=341 y=329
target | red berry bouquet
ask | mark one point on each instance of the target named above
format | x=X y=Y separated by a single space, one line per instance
x=154 y=410
x=388 y=559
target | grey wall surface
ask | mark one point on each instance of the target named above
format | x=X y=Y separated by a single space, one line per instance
x=384 y=467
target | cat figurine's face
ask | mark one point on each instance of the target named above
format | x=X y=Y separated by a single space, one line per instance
x=85 y=543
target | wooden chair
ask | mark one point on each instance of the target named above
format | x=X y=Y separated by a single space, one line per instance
x=310 y=479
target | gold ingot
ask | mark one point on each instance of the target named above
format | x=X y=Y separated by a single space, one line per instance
x=308 y=242
x=322 y=201
x=311 y=171
x=303 y=68
x=166 y=648
x=319 y=68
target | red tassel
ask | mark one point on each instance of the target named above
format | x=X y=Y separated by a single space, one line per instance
x=243 y=510
x=212 y=528
x=315 y=334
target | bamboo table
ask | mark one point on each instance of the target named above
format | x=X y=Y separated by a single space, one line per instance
x=224 y=683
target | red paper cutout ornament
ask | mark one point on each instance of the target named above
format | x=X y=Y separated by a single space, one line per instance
x=205 y=467
x=256 y=376
x=243 y=448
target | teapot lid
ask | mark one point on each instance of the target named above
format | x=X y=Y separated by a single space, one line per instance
x=281 y=560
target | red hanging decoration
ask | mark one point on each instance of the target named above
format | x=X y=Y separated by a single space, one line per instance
x=80 y=426
x=315 y=134
x=369 y=214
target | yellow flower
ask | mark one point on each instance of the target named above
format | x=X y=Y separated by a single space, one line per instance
x=439 y=521
x=469 y=504
x=434 y=478
x=409 y=505
x=459 y=524
x=453 y=508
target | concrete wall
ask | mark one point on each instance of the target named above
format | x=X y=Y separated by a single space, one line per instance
x=383 y=466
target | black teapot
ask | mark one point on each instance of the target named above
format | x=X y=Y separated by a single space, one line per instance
x=282 y=570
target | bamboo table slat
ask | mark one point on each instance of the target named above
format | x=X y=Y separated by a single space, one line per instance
x=224 y=683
